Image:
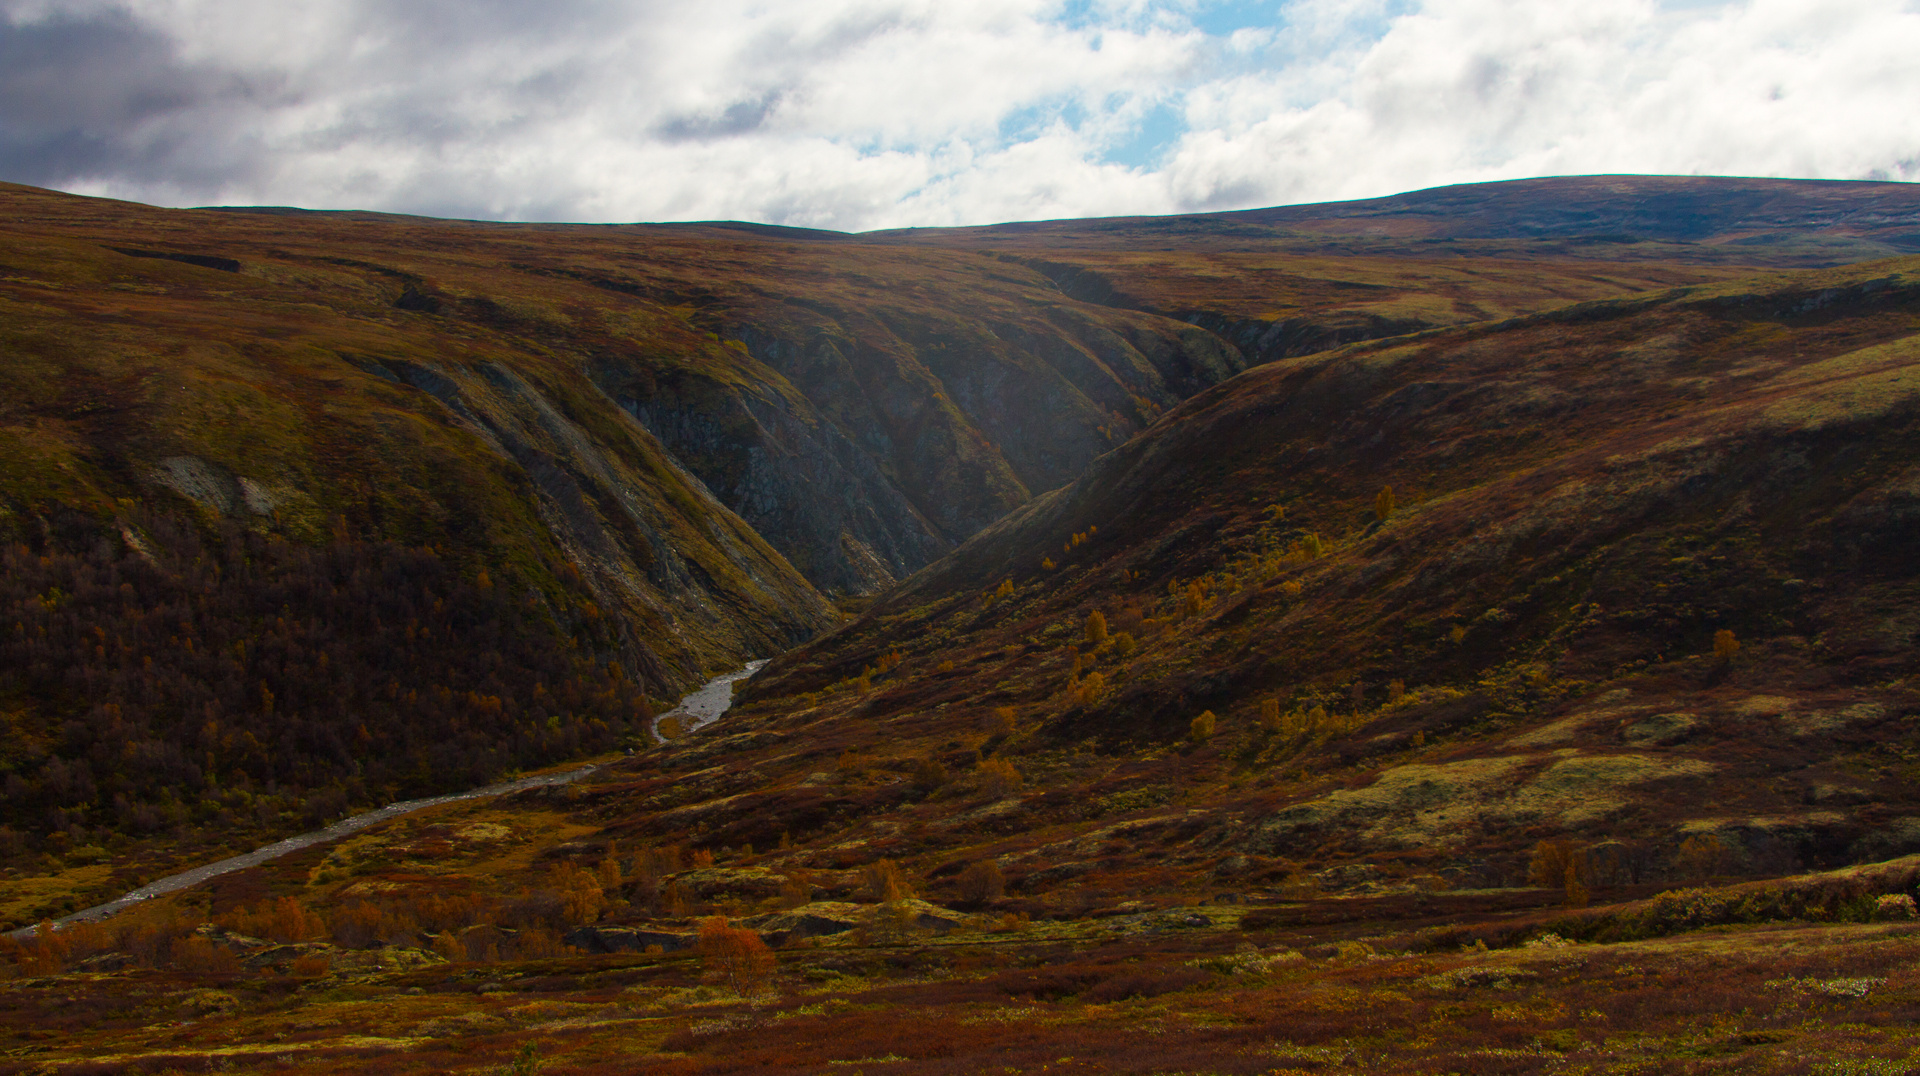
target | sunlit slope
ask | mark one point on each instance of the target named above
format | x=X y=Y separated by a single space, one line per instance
x=1581 y=502
x=1295 y=279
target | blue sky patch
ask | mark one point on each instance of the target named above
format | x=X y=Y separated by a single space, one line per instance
x=1156 y=133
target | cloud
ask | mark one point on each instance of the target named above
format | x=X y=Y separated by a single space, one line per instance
x=1466 y=90
x=880 y=113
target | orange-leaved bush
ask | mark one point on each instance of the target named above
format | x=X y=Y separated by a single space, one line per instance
x=886 y=882
x=1725 y=646
x=734 y=955
x=997 y=776
x=1202 y=728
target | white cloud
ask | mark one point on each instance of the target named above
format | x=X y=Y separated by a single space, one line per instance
x=880 y=113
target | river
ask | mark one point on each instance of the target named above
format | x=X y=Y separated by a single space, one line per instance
x=704 y=707
x=698 y=710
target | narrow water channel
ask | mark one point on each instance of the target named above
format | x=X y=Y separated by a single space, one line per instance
x=698 y=710
x=704 y=707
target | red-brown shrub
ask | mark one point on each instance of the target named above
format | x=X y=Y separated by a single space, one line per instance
x=734 y=955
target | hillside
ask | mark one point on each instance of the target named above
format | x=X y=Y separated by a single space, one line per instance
x=1370 y=637
x=1296 y=279
x=1625 y=656
x=1524 y=646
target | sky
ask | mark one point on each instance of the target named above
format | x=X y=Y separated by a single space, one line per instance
x=865 y=114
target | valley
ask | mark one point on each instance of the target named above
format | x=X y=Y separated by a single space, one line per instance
x=1432 y=634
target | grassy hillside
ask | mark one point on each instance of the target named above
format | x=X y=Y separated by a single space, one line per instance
x=1298 y=279
x=1589 y=747
x=1335 y=650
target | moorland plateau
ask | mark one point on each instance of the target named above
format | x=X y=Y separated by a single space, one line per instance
x=1468 y=631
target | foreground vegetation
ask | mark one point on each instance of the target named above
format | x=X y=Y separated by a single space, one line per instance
x=368 y=957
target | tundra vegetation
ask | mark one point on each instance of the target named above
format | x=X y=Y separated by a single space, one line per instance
x=1391 y=639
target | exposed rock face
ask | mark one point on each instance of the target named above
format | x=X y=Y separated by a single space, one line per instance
x=800 y=481
x=865 y=442
x=593 y=498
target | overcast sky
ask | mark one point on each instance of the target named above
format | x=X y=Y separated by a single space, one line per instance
x=860 y=114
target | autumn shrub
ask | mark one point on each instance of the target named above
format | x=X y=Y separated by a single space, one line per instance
x=539 y=943
x=482 y=944
x=1096 y=629
x=1270 y=714
x=1308 y=723
x=198 y=956
x=883 y=880
x=1561 y=864
x=649 y=868
x=1196 y=600
x=1725 y=646
x=362 y=924
x=734 y=955
x=929 y=774
x=43 y=953
x=310 y=966
x=998 y=777
x=1895 y=906
x=608 y=872
x=981 y=882
x=1383 y=504
x=451 y=911
x=678 y=901
x=1091 y=690
x=282 y=920
x=150 y=942
x=1124 y=645
x=581 y=897
x=1201 y=729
